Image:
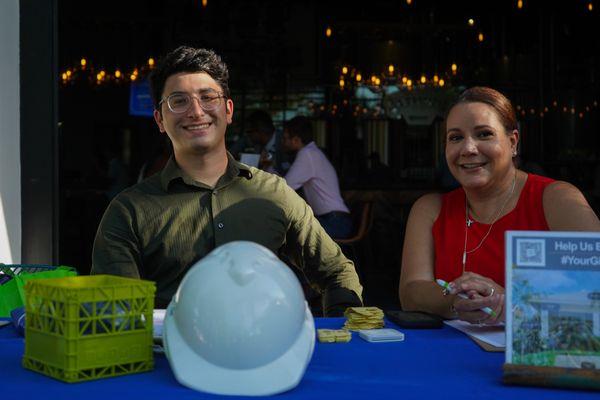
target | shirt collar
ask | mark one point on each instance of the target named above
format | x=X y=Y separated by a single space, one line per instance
x=172 y=172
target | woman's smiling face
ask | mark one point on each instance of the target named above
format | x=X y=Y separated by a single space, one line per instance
x=479 y=150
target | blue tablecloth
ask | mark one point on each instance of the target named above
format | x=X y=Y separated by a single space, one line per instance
x=429 y=364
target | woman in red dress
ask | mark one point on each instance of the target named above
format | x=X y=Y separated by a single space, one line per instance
x=459 y=236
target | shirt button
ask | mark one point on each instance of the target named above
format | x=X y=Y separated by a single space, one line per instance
x=214 y=192
x=220 y=225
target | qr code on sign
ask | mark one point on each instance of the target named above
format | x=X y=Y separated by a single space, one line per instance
x=531 y=252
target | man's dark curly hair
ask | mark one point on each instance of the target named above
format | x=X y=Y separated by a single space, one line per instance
x=188 y=59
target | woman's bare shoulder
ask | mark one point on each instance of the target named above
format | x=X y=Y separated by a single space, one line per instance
x=428 y=206
x=566 y=208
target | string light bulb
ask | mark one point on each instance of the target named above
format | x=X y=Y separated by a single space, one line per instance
x=520 y=4
x=83 y=63
x=409 y=2
x=480 y=37
x=133 y=77
x=117 y=74
x=64 y=76
x=471 y=21
x=590 y=6
x=344 y=70
x=436 y=78
x=454 y=68
x=151 y=62
x=409 y=82
x=358 y=77
x=342 y=83
x=328 y=32
x=204 y=3
x=423 y=79
x=391 y=68
x=441 y=82
x=68 y=73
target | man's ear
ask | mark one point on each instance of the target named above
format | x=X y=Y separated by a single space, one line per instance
x=229 y=110
x=159 y=121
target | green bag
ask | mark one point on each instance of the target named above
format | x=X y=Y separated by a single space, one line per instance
x=13 y=278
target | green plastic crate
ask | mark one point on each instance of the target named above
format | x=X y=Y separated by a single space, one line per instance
x=88 y=327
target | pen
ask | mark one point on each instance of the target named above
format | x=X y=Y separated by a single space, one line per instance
x=446 y=286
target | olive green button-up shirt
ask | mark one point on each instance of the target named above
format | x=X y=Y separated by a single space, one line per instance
x=159 y=228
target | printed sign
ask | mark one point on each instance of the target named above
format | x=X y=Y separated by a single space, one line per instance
x=553 y=299
x=140 y=101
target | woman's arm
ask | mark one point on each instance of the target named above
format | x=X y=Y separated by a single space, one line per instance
x=566 y=209
x=418 y=290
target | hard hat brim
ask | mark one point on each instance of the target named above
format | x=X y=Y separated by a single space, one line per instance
x=280 y=375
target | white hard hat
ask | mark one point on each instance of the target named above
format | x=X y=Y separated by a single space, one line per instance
x=239 y=324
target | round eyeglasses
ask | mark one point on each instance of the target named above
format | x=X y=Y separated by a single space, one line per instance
x=179 y=103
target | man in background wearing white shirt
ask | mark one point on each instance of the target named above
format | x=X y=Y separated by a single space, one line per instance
x=313 y=172
x=267 y=142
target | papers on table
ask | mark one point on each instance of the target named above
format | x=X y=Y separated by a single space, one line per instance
x=158 y=317
x=250 y=159
x=491 y=335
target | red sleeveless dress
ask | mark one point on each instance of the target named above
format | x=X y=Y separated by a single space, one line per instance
x=449 y=232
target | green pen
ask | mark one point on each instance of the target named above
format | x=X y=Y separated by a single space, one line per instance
x=446 y=286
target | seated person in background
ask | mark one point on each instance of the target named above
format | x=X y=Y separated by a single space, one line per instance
x=313 y=172
x=459 y=236
x=203 y=198
x=267 y=141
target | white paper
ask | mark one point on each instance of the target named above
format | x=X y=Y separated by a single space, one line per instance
x=250 y=159
x=158 y=317
x=491 y=334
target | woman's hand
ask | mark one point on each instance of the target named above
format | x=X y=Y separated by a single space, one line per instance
x=480 y=292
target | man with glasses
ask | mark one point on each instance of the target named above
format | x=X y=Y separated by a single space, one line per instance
x=203 y=198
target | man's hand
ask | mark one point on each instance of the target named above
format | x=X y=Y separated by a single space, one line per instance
x=266 y=160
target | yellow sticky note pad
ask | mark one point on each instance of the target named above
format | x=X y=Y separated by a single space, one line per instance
x=333 y=335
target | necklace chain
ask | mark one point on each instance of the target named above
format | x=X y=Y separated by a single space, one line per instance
x=468 y=223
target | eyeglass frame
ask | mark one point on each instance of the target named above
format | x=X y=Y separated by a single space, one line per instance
x=218 y=95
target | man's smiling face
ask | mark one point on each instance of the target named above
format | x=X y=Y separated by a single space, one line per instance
x=195 y=131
